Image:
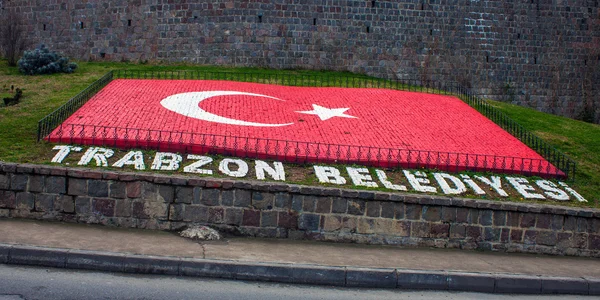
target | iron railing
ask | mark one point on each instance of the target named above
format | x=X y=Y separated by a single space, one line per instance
x=559 y=166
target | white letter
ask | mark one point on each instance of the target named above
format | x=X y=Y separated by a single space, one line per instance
x=472 y=185
x=138 y=160
x=195 y=167
x=572 y=192
x=100 y=155
x=388 y=185
x=441 y=179
x=241 y=171
x=552 y=191
x=419 y=184
x=520 y=184
x=329 y=175
x=361 y=177
x=278 y=173
x=63 y=152
x=171 y=159
x=496 y=183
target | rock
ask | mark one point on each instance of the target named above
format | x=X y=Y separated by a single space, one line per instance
x=203 y=233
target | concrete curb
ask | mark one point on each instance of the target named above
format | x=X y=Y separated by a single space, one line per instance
x=297 y=273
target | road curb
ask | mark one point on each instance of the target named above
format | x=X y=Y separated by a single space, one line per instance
x=297 y=273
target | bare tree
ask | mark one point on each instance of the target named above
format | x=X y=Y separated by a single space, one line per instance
x=12 y=36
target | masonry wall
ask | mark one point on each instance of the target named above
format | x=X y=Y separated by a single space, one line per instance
x=539 y=53
x=275 y=210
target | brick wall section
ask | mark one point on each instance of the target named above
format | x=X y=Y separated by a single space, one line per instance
x=542 y=54
x=276 y=210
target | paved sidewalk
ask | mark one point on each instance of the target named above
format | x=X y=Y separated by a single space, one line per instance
x=115 y=249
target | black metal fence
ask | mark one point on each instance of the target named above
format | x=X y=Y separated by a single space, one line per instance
x=558 y=165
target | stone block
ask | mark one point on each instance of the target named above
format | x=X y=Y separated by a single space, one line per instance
x=486 y=217
x=474 y=232
x=339 y=205
x=373 y=209
x=82 y=205
x=309 y=222
x=166 y=193
x=332 y=223
x=457 y=231
x=227 y=197
x=473 y=217
x=516 y=235
x=138 y=210
x=195 y=213
x=420 y=229
x=512 y=219
x=432 y=213
x=4 y=182
x=243 y=198
x=387 y=210
x=548 y=238
x=216 y=215
x=309 y=203
x=499 y=218
x=491 y=234
x=448 y=214
x=413 y=211
x=287 y=220
x=56 y=185
x=323 y=205
x=251 y=218
x=440 y=230
x=97 y=188
x=544 y=221
x=184 y=194
x=210 y=197
x=356 y=207
x=233 y=216
x=66 y=203
x=123 y=208
x=134 y=189
x=176 y=212
x=527 y=220
x=44 y=202
x=36 y=183
x=401 y=228
x=18 y=182
x=297 y=202
x=25 y=201
x=399 y=211
x=7 y=199
x=530 y=237
x=462 y=215
x=268 y=219
x=594 y=242
x=117 y=189
x=105 y=207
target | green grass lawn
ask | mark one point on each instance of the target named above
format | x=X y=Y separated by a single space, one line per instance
x=43 y=94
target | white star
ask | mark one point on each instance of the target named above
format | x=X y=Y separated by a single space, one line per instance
x=327 y=113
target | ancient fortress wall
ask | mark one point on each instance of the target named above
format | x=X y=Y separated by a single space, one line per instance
x=538 y=53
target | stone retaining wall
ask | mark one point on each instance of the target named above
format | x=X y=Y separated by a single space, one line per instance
x=542 y=54
x=275 y=210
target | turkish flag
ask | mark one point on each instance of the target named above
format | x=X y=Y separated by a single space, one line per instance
x=300 y=124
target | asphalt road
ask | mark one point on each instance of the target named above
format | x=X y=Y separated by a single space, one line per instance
x=30 y=283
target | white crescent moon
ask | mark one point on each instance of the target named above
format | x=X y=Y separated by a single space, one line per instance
x=187 y=104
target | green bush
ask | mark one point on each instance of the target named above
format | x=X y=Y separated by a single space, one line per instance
x=44 y=61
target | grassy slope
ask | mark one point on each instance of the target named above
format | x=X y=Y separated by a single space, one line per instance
x=43 y=94
x=579 y=140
